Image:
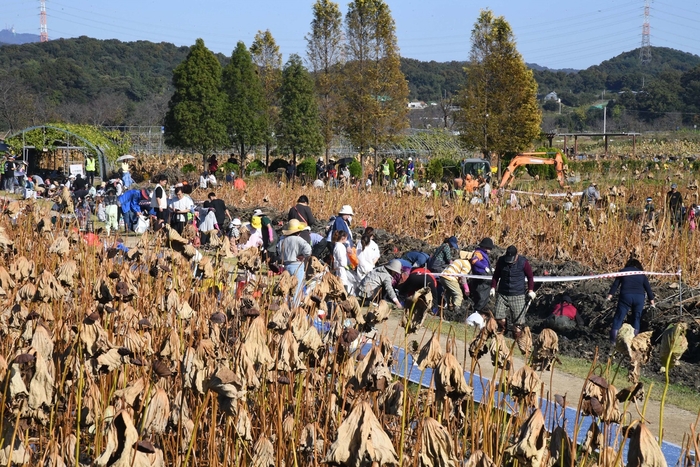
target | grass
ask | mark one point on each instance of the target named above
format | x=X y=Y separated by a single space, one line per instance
x=679 y=395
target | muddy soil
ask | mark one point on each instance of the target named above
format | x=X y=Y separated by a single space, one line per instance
x=588 y=296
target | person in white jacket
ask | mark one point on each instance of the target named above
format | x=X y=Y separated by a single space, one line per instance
x=340 y=261
x=367 y=253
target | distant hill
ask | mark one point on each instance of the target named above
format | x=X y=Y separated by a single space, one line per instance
x=536 y=67
x=9 y=37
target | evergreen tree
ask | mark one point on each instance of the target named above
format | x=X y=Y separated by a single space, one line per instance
x=266 y=55
x=324 y=53
x=499 y=102
x=375 y=90
x=299 y=125
x=246 y=119
x=195 y=116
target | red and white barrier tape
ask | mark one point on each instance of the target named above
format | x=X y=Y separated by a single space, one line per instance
x=571 y=278
x=552 y=195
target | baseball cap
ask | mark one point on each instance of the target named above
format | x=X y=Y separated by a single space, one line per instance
x=511 y=253
x=674 y=186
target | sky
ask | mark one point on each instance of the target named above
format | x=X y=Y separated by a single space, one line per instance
x=556 y=34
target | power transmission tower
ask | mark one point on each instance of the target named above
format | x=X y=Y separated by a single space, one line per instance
x=645 y=50
x=44 y=31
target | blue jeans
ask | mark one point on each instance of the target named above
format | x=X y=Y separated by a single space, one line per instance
x=296 y=268
x=625 y=303
x=129 y=221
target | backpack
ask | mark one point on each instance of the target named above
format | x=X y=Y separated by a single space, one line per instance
x=431 y=261
x=322 y=251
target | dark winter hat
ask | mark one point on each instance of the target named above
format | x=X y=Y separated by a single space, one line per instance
x=486 y=244
x=674 y=186
x=453 y=242
x=510 y=255
x=566 y=298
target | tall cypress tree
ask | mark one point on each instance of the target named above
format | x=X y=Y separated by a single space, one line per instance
x=499 y=101
x=195 y=116
x=324 y=53
x=299 y=122
x=375 y=90
x=245 y=121
x=266 y=55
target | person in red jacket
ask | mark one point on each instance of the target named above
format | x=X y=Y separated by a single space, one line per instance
x=565 y=316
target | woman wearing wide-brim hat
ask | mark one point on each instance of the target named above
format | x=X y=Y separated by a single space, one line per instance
x=293 y=251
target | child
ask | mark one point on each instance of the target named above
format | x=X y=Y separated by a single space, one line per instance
x=101 y=213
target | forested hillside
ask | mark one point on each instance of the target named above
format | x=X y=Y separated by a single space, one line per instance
x=85 y=80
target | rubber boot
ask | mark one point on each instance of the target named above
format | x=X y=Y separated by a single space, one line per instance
x=613 y=335
x=501 y=325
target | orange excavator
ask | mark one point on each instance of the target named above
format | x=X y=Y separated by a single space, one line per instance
x=529 y=158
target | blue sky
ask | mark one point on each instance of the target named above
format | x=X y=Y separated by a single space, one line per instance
x=557 y=34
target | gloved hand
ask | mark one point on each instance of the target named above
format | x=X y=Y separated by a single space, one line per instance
x=492 y=292
x=465 y=288
x=531 y=294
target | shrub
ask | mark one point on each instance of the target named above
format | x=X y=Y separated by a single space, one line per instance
x=434 y=170
x=450 y=167
x=308 y=167
x=228 y=167
x=551 y=106
x=355 y=168
x=278 y=164
x=255 y=166
x=188 y=168
x=392 y=169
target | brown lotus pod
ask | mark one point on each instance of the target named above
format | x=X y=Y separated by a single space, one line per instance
x=92 y=318
x=33 y=315
x=274 y=306
x=598 y=381
x=112 y=252
x=218 y=318
x=137 y=361
x=144 y=323
x=632 y=394
x=250 y=312
x=161 y=369
x=596 y=407
x=145 y=446
x=122 y=288
x=348 y=336
x=109 y=309
x=316 y=299
x=559 y=400
x=24 y=358
x=281 y=379
x=113 y=275
x=123 y=351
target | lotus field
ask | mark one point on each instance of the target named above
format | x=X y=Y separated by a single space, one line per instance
x=147 y=358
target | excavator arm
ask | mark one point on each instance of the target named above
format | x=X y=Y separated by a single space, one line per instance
x=530 y=158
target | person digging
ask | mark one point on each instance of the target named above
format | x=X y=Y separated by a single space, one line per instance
x=513 y=296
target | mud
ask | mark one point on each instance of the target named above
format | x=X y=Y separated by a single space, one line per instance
x=588 y=296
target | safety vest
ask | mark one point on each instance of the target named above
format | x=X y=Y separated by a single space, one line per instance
x=90 y=164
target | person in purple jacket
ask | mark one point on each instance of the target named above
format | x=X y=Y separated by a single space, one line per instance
x=481 y=265
x=633 y=290
x=129 y=202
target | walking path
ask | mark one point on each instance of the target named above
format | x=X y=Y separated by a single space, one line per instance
x=677 y=421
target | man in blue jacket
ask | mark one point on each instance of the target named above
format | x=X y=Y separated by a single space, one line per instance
x=129 y=202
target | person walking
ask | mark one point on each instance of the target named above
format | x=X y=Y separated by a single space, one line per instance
x=379 y=283
x=410 y=169
x=633 y=290
x=481 y=265
x=674 y=199
x=90 y=168
x=302 y=212
x=220 y=210
x=509 y=280
x=293 y=251
x=367 y=253
x=386 y=172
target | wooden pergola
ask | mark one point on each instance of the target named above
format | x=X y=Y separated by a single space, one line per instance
x=605 y=139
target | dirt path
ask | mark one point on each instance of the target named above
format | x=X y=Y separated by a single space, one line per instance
x=677 y=421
